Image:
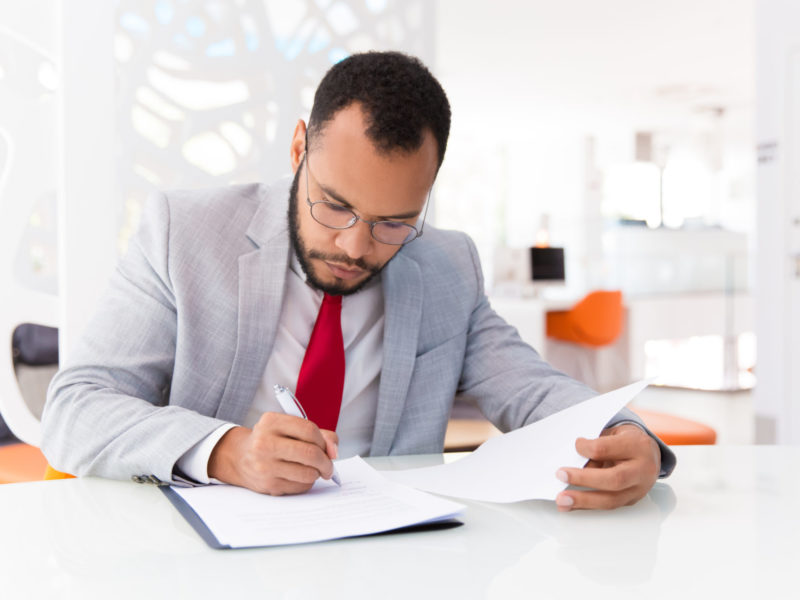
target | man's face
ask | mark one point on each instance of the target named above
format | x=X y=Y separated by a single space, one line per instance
x=346 y=169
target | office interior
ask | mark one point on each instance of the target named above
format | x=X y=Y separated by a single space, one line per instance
x=651 y=143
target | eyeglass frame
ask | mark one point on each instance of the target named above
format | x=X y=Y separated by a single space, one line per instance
x=357 y=218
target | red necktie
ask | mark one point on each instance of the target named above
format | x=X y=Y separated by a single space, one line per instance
x=321 y=379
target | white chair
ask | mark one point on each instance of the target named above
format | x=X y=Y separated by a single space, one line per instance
x=20 y=461
x=18 y=304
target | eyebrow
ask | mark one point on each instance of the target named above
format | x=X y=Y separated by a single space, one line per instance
x=328 y=191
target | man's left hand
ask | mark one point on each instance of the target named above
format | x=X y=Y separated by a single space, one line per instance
x=624 y=462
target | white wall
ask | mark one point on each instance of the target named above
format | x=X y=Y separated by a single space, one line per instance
x=531 y=80
x=87 y=165
x=778 y=287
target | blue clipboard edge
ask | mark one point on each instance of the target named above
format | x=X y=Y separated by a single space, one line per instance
x=188 y=513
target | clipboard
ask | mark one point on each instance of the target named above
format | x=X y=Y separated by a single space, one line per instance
x=228 y=517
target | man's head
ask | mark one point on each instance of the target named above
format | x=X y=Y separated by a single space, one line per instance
x=376 y=138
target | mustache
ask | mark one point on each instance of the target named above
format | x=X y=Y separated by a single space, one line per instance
x=342 y=259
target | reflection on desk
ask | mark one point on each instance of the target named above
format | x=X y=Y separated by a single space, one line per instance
x=724 y=525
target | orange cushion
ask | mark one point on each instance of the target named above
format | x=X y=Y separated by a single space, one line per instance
x=676 y=431
x=21 y=462
x=594 y=321
x=559 y=326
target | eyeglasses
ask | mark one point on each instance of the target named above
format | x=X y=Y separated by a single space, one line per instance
x=336 y=216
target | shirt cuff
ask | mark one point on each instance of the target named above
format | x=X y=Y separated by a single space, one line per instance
x=194 y=463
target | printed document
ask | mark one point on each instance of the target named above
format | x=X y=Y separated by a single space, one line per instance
x=365 y=503
x=522 y=464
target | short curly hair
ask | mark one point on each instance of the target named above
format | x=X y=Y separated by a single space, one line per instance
x=400 y=96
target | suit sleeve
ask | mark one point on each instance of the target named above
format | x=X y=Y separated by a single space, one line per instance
x=511 y=383
x=107 y=411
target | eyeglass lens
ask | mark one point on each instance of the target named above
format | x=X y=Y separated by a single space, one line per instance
x=340 y=217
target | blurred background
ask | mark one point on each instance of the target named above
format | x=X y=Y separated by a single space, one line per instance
x=636 y=148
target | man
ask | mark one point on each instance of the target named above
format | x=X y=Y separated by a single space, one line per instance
x=320 y=286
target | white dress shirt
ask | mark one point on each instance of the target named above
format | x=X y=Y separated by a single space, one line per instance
x=362 y=333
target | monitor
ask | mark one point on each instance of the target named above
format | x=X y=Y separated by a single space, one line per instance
x=547 y=264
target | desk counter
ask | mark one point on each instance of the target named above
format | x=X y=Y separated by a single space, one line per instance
x=725 y=525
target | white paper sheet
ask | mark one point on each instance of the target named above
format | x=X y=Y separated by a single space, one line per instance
x=365 y=503
x=522 y=464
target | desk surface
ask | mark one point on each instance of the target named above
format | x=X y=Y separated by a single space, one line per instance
x=725 y=525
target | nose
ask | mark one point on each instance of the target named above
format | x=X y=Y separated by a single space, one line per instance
x=355 y=241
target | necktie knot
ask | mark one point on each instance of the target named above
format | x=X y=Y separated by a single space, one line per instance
x=332 y=300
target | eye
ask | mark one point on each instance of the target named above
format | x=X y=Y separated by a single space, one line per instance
x=393 y=224
x=337 y=207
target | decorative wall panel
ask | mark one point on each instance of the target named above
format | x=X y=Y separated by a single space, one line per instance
x=210 y=92
x=28 y=145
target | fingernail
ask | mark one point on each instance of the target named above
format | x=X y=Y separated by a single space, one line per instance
x=564 y=500
x=562 y=475
x=335 y=451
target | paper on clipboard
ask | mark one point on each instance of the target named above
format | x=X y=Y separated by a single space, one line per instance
x=227 y=516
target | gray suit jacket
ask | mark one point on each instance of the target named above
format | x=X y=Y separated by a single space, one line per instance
x=183 y=334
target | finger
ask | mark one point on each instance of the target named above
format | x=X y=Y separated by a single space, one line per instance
x=291 y=427
x=279 y=437
x=621 y=476
x=622 y=428
x=285 y=487
x=307 y=454
x=578 y=499
x=612 y=447
x=331 y=443
x=294 y=472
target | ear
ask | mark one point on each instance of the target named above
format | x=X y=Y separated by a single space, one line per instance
x=298 y=146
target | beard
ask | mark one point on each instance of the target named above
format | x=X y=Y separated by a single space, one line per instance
x=304 y=254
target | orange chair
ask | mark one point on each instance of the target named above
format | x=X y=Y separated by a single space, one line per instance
x=676 y=431
x=594 y=321
x=21 y=462
x=579 y=339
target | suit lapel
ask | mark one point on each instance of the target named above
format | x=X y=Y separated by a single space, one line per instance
x=402 y=290
x=262 y=280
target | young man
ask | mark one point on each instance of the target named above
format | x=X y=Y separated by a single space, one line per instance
x=217 y=298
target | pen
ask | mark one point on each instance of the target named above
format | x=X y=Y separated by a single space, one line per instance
x=291 y=406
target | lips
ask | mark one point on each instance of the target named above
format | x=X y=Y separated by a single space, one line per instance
x=345 y=273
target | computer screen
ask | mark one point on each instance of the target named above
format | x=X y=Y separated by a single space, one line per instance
x=547 y=264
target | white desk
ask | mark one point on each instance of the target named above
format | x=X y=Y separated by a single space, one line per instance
x=726 y=525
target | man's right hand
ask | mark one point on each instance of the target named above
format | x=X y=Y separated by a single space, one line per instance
x=281 y=455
